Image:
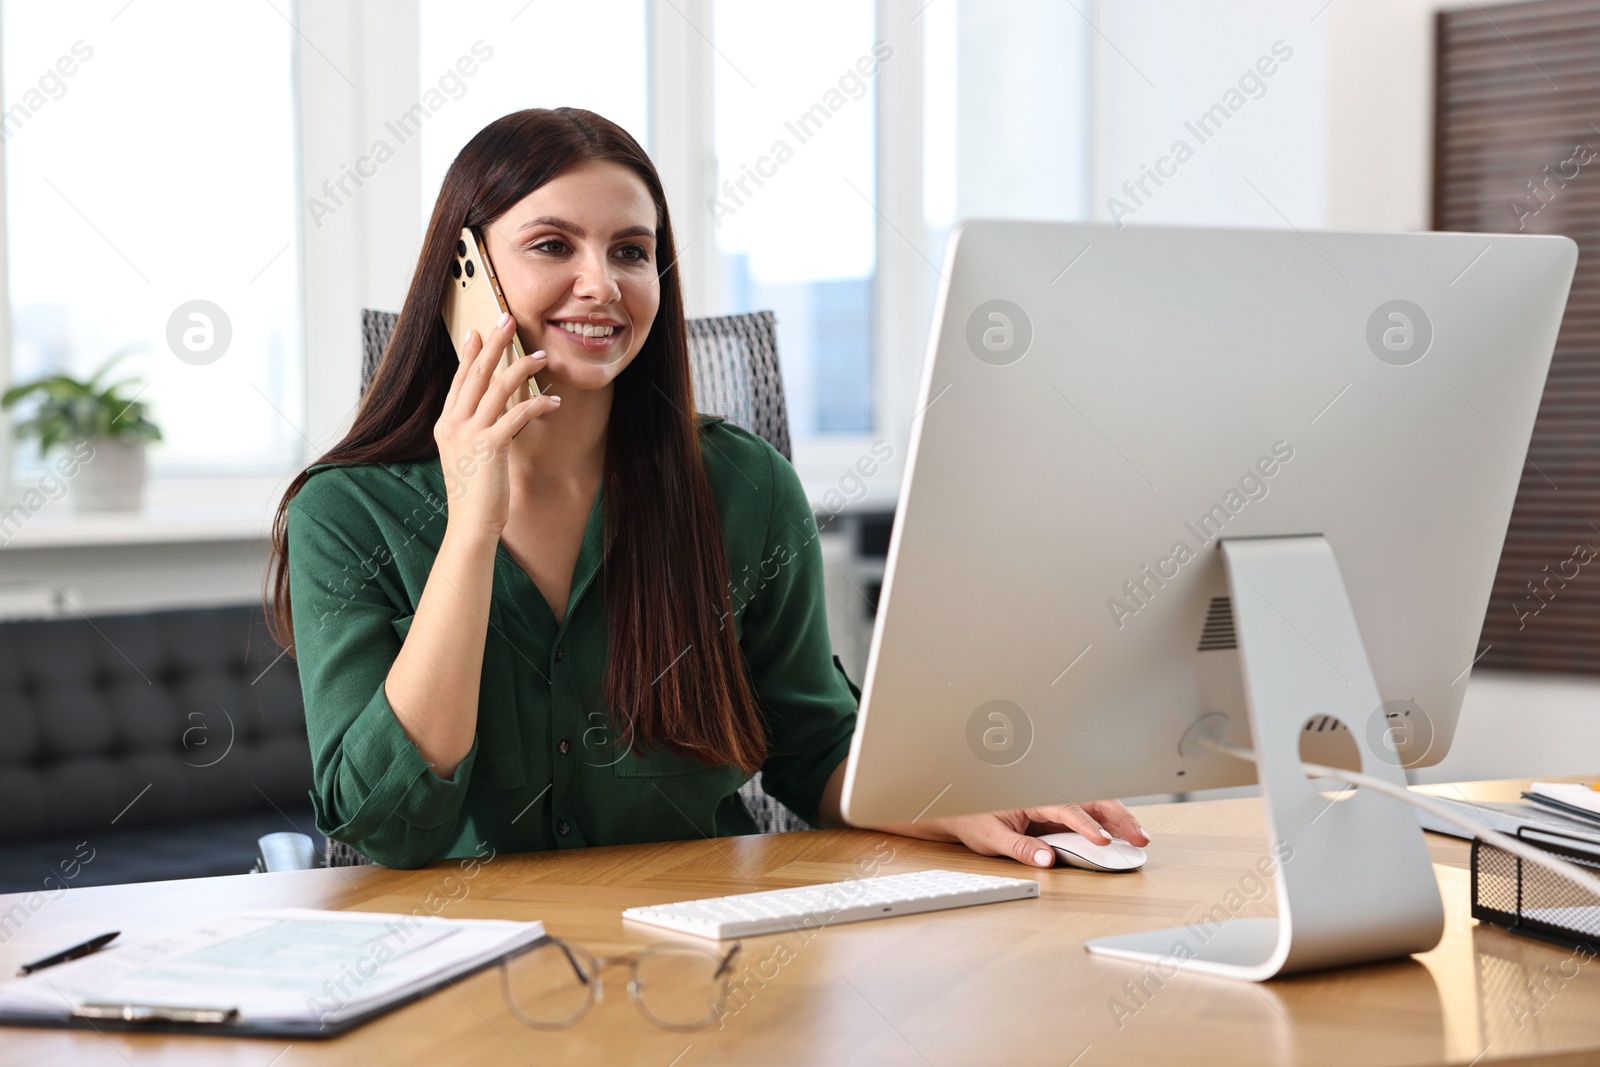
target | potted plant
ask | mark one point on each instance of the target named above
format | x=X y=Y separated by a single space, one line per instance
x=109 y=419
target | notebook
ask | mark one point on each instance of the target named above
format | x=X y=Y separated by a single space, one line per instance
x=284 y=972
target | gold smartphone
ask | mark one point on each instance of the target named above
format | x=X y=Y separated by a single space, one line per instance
x=473 y=300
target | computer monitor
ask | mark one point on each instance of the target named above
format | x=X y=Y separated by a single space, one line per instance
x=1166 y=483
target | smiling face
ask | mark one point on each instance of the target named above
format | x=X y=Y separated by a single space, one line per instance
x=576 y=260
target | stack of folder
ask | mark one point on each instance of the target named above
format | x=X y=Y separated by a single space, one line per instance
x=1581 y=802
x=1572 y=811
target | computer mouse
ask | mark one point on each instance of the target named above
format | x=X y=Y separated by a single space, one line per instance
x=1076 y=850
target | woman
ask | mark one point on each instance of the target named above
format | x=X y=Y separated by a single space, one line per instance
x=517 y=627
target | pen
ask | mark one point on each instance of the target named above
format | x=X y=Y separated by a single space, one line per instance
x=94 y=944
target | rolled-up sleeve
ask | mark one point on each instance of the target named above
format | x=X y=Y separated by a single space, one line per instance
x=809 y=702
x=372 y=787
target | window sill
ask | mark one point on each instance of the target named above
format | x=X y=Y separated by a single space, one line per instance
x=67 y=530
x=176 y=511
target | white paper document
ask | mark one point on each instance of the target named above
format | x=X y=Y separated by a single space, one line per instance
x=287 y=965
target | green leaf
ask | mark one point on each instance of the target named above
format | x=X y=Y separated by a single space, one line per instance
x=111 y=390
x=69 y=410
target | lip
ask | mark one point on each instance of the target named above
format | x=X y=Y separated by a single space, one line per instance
x=590 y=344
x=588 y=320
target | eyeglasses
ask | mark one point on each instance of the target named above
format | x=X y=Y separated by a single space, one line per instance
x=554 y=983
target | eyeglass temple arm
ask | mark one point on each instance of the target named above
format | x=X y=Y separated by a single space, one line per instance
x=573 y=960
x=548 y=940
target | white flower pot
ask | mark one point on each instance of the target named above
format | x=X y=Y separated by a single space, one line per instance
x=112 y=479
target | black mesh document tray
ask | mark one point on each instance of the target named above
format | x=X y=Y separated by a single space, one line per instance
x=1528 y=899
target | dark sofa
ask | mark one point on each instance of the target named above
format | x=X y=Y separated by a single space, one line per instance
x=144 y=747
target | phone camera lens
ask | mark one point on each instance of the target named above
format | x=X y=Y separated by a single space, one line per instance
x=461 y=248
x=455 y=268
x=469 y=268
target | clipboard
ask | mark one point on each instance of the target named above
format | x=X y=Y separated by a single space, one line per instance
x=225 y=1021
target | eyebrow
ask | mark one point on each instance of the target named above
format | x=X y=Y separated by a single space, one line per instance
x=577 y=231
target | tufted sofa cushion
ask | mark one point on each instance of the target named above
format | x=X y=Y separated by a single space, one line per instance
x=145 y=728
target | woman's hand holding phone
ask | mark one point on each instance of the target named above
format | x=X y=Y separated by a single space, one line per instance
x=475 y=429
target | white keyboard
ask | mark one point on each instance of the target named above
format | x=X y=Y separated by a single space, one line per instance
x=812 y=906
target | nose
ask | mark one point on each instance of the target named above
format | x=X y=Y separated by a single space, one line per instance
x=595 y=280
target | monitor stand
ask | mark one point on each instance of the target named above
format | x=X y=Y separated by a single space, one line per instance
x=1354 y=883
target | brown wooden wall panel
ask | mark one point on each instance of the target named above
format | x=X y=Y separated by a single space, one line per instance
x=1517 y=122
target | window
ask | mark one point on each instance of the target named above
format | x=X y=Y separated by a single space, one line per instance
x=149 y=162
x=544 y=54
x=794 y=138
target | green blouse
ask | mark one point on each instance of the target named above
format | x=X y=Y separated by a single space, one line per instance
x=543 y=771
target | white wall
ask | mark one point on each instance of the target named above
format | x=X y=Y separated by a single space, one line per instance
x=1159 y=65
x=362 y=72
x=1379 y=116
x=1520 y=725
x=1021 y=111
x=64 y=581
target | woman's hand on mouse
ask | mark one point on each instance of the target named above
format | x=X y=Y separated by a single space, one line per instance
x=474 y=429
x=1010 y=833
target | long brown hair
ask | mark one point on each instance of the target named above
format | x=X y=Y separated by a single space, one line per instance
x=664 y=566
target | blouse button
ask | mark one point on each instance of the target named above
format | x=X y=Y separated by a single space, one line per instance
x=559 y=653
x=563 y=828
x=563 y=746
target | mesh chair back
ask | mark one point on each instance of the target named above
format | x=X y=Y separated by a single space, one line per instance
x=376 y=329
x=339 y=854
x=734 y=363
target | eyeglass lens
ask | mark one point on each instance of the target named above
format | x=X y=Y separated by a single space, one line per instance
x=679 y=987
x=551 y=985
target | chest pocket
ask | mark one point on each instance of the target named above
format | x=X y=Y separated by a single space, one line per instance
x=656 y=764
x=678 y=788
x=500 y=763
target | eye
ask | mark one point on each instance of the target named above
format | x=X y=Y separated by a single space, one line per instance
x=553 y=245
x=636 y=253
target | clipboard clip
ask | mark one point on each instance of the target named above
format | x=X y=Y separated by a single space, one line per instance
x=156 y=1013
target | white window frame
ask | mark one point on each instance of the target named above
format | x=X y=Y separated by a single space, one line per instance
x=363 y=255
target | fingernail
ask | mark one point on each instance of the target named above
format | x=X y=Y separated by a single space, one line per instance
x=505 y=317
x=1042 y=857
x=556 y=400
x=539 y=354
x=467 y=336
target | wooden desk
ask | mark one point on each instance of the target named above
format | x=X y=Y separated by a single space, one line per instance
x=1002 y=983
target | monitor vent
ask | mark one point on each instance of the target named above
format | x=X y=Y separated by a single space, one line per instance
x=1323 y=724
x=1217 y=634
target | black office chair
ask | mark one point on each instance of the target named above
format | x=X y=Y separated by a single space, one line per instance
x=734 y=362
